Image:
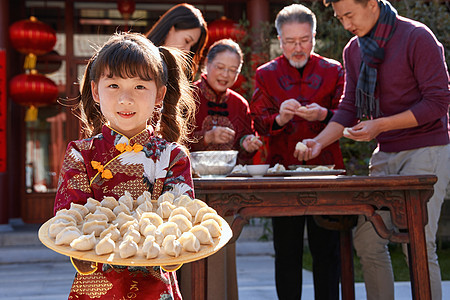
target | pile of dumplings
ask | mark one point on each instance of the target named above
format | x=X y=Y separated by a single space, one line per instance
x=172 y=225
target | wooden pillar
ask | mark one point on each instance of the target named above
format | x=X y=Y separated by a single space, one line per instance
x=257 y=12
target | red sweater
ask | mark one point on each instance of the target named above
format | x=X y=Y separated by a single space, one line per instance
x=321 y=82
x=412 y=76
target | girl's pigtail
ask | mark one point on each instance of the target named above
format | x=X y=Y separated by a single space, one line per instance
x=178 y=107
x=88 y=111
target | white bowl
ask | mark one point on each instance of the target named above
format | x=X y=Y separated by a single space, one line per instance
x=257 y=170
x=213 y=162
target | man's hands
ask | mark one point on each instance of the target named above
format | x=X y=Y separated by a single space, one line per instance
x=313 y=150
x=291 y=108
x=364 y=131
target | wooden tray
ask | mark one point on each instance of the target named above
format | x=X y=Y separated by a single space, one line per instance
x=139 y=259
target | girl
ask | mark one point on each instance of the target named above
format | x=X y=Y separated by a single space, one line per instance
x=182 y=27
x=122 y=84
x=223 y=116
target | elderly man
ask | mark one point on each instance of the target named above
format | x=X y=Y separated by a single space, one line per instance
x=396 y=91
x=294 y=98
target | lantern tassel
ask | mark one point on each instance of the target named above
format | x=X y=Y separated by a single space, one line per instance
x=30 y=61
x=31 y=114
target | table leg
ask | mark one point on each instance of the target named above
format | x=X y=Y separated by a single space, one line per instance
x=418 y=261
x=347 y=276
x=199 y=279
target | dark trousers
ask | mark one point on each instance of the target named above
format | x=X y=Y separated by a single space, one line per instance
x=288 y=243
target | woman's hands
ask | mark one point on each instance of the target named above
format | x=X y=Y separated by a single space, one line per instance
x=219 y=135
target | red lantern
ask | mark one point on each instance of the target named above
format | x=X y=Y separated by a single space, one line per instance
x=224 y=29
x=32 y=37
x=33 y=90
x=126 y=8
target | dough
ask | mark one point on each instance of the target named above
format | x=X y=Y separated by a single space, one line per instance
x=300 y=146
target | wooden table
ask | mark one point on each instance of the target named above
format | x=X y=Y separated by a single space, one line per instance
x=405 y=196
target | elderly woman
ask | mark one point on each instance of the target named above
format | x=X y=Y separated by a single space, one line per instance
x=223 y=119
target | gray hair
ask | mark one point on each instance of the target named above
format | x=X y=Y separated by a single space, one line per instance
x=222 y=46
x=295 y=13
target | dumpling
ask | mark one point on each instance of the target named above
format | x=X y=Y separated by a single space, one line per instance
x=64 y=219
x=170 y=228
x=166 y=197
x=109 y=202
x=183 y=200
x=57 y=227
x=105 y=245
x=150 y=248
x=73 y=213
x=137 y=213
x=121 y=208
x=95 y=217
x=136 y=235
x=201 y=212
x=84 y=242
x=143 y=223
x=92 y=204
x=213 y=216
x=203 y=235
x=154 y=218
x=189 y=242
x=150 y=229
x=95 y=227
x=122 y=218
x=165 y=209
x=112 y=229
x=127 y=199
x=181 y=211
x=145 y=207
x=128 y=247
x=212 y=226
x=105 y=211
x=193 y=206
x=183 y=223
x=146 y=196
x=159 y=237
x=171 y=246
x=67 y=235
x=80 y=208
x=127 y=226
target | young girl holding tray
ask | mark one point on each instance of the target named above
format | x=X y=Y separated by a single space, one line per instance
x=122 y=84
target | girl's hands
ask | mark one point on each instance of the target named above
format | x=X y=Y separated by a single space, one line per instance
x=313 y=150
x=251 y=143
x=219 y=135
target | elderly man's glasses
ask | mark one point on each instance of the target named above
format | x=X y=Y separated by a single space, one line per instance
x=291 y=43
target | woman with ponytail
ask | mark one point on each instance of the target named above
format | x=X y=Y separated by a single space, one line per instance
x=123 y=83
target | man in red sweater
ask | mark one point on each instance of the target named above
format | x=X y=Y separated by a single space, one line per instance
x=294 y=98
x=397 y=92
